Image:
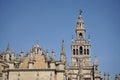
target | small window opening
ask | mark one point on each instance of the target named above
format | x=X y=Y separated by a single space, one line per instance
x=73 y=51
x=87 y=51
x=84 y=51
x=81 y=50
x=80 y=36
x=76 y=51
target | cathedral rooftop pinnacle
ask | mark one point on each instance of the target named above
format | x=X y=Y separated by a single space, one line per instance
x=104 y=76
x=53 y=55
x=108 y=76
x=63 y=49
x=96 y=61
x=63 y=53
x=46 y=56
x=8 y=49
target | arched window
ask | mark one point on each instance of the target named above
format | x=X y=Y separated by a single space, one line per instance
x=73 y=51
x=84 y=51
x=80 y=36
x=76 y=51
x=87 y=51
x=81 y=50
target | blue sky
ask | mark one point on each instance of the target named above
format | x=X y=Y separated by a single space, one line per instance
x=23 y=23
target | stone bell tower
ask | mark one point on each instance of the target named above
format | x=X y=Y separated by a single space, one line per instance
x=81 y=46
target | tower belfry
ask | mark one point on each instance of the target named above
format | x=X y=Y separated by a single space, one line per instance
x=81 y=47
x=80 y=28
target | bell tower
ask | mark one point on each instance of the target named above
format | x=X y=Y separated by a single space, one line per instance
x=81 y=46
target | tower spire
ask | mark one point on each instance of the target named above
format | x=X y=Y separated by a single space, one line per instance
x=80 y=28
x=63 y=49
x=8 y=49
x=63 y=53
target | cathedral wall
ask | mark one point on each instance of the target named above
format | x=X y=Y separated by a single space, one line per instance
x=60 y=76
x=31 y=75
x=73 y=73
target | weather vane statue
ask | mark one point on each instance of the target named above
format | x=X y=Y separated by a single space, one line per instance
x=81 y=12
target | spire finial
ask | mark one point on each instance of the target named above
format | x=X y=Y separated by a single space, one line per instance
x=81 y=12
x=63 y=54
x=62 y=41
x=108 y=76
x=104 y=76
x=8 y=49
x=62 y=45
x=63 y=49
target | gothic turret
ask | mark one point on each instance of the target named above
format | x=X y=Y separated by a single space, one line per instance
x=52 y=64
x=8 y=53
x=12 y=59
x=8 y=49
x=63 y=54
x=105 y=76
x=53 y=55
x=12 y=56
x=46 y=55
x=108 y=76
x=96 y=64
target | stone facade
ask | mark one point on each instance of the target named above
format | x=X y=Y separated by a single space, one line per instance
x=38 y=65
